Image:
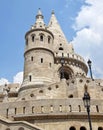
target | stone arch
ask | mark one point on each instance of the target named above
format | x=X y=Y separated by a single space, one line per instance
x=82 y=128
x=68 y=72
x=41 y=35
x=21 y=128
x=100 y=128
x=72 y=128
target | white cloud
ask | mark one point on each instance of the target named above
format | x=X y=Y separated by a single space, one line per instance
x=3 y=81
x=88 y=41
x=18 y=78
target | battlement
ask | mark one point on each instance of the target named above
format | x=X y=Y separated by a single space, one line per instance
x=45 y=106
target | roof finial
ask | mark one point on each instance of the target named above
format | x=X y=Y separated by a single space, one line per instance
x=53 y=12
x=39 y=12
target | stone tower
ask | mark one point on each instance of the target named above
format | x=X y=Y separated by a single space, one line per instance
x=45 y=47
x=55 y=80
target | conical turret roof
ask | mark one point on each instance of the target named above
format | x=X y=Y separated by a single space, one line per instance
x=55 y=28
x=39 y=20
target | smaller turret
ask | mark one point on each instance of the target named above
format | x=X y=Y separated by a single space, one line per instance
x=39 y=20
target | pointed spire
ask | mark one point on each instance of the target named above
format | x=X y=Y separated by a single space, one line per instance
x=39 y=14
x=55 y=28
x=39 y=20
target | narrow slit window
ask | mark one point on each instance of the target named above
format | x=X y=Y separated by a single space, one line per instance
x=30 y=78
x=32 y=109
x=33 y=38
x=41 y=38
x=15 y=110
x=32 y=58
x=41 y=60
x=97 y=108
x=49 y=39
x=79 y=108
x=23 y=110
x=70 y=108
x=7 y=112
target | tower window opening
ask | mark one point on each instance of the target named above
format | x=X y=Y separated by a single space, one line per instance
x=23 y=110
x=32 y=109
x=33 y=38
x=30 y=78
x=66 y=75
x=100 y=128
x=41 y=38
x=61 y=48
x=79 y=108
x=70 y=96
x=15 y=110
x=49 y=39
x=82 y=128
x=70 y=108
x=7 y=112
x=72 y=128
x=41 y=60
x=32 y=58
x=97 y=108
x=50 y=64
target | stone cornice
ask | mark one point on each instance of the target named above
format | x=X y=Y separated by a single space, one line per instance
x=72 y=115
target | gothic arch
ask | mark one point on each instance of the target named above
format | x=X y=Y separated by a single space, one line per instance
x=72 y=128
x=82 y=128
x=100 y=128
x=68 y=72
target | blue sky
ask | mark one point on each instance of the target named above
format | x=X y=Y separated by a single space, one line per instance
x=78 y=19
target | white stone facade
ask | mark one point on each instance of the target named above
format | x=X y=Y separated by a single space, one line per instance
x=54 y=82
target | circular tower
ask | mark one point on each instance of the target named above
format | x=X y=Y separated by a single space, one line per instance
x=38 y=55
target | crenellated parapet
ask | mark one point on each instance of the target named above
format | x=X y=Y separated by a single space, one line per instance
x=54 y=108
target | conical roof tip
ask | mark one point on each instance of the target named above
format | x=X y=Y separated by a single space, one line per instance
x=39 y=12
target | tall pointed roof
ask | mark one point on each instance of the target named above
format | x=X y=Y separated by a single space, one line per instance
x=55 y=28
x=39 y=20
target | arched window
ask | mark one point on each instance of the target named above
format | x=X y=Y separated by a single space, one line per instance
x=60 y=48
x=82 y=128
x=100 y=128
x=21 y=128
x=66 y=75
x=30 y=78
x=41 y=60
x=72 y=128
x=32 y=58
x=33 y=38
x=49 y=39
x=41 y=37
x=71 y=96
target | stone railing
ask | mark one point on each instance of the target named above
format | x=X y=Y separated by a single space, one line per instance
x=47 y=106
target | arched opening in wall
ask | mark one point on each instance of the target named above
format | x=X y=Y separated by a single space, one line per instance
x=72 y=128
x=33 y=38
x=49 y=39
x=21 y=128
x=66 y=71
x=70 y=96
x=41 y=37
x=61 y=48
x=100 y=128
x=82 y=128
